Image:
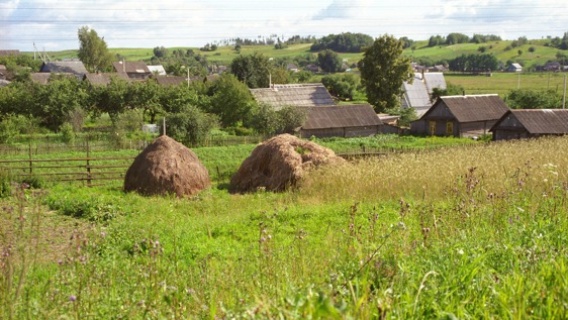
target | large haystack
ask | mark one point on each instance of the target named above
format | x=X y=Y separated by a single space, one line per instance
x=279 y=163
x=166 y=167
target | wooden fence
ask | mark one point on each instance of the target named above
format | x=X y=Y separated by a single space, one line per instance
x=90 y=171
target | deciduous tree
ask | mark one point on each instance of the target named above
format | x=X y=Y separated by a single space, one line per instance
x=383 y=70
x=93 y=51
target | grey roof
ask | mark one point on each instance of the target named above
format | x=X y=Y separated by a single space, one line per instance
x=170 y=81
x=4 y=83
x=104 y=78
x=43 y=77
x=359 y=115
x=75 y=67
x=300 y=95
x=159 y=69
x=472 y=108
x=131 y=67
x=540 y=121
x=417 y=94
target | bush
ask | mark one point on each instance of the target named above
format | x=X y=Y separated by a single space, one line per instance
x=67 y=133
x=8 y=129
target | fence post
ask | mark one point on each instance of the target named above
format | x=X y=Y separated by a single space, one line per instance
x=30 y=157
x=88 y=165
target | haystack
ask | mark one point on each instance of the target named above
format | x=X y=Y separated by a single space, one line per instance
x=279 y=163
x=166 y=167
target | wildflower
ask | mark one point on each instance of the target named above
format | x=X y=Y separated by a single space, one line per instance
x=72 y=298
x=460 y=252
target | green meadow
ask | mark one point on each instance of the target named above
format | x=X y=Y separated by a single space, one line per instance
x=476 y=230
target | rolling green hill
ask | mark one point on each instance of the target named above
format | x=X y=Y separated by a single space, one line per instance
x=224 y=55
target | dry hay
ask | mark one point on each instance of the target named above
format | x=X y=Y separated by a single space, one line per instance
x=166 y=167
x=279 y=163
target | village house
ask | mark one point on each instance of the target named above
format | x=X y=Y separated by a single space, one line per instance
x=298 y=95
x=418 y=94
x=74 y=67
x=135 y=70
x=341 y=121
x=531 y=123
x=461 y=116
x=515 y=67
x=103 y=79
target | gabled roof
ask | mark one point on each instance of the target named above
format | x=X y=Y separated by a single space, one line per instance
x=300 y=95
x=43 y=77
x=358 y=115
x=103 y=79
x=75 y=67
x=472 y=108
x=170 y=81
x=417 y=94
x=131 y=67
x=157 y=69
x=539 y=121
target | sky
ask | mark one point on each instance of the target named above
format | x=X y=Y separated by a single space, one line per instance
x=52 y=25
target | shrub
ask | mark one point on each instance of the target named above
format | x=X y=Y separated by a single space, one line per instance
x=67 y=133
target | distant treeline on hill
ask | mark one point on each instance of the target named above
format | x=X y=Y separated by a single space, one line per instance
x=344 y=42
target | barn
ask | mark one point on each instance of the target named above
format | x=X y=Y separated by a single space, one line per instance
x=341 y=121
x=461 y=116
x=531 y=123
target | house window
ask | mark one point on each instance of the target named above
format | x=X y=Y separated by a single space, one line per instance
x=432 y=125
x=449 y=128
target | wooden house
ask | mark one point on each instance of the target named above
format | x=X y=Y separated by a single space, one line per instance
x=135 y=70
x=75 y=67
x=341 y=121
x=298 y=95
x=531 y=123
x=461 y=116
x=172 y=81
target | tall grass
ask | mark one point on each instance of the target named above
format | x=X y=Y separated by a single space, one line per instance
x=474 y=232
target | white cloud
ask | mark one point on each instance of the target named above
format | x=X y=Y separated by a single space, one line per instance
x=148 y=23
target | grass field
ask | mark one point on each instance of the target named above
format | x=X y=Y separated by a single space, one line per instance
x=503 y=82
x=476 y=232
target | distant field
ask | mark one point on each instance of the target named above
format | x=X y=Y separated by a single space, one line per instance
x=501 y=83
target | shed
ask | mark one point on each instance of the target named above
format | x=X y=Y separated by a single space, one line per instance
x=461 y=116
x=75 y=67
x=136 y=70
x=299 y=95
x=531 y=123
x=341 y=121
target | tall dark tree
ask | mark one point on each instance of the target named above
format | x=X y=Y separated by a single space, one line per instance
x=383 y=70
x=329 y=61
x=93 y=51
x=253 y=70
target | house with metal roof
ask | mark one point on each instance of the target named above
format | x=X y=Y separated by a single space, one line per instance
x=299 y=95
x=531 y=123
x=515 y=67
x=75 y=67
x=461 y=116
x=341 y=121
x=418 y=94
x=135 y=70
